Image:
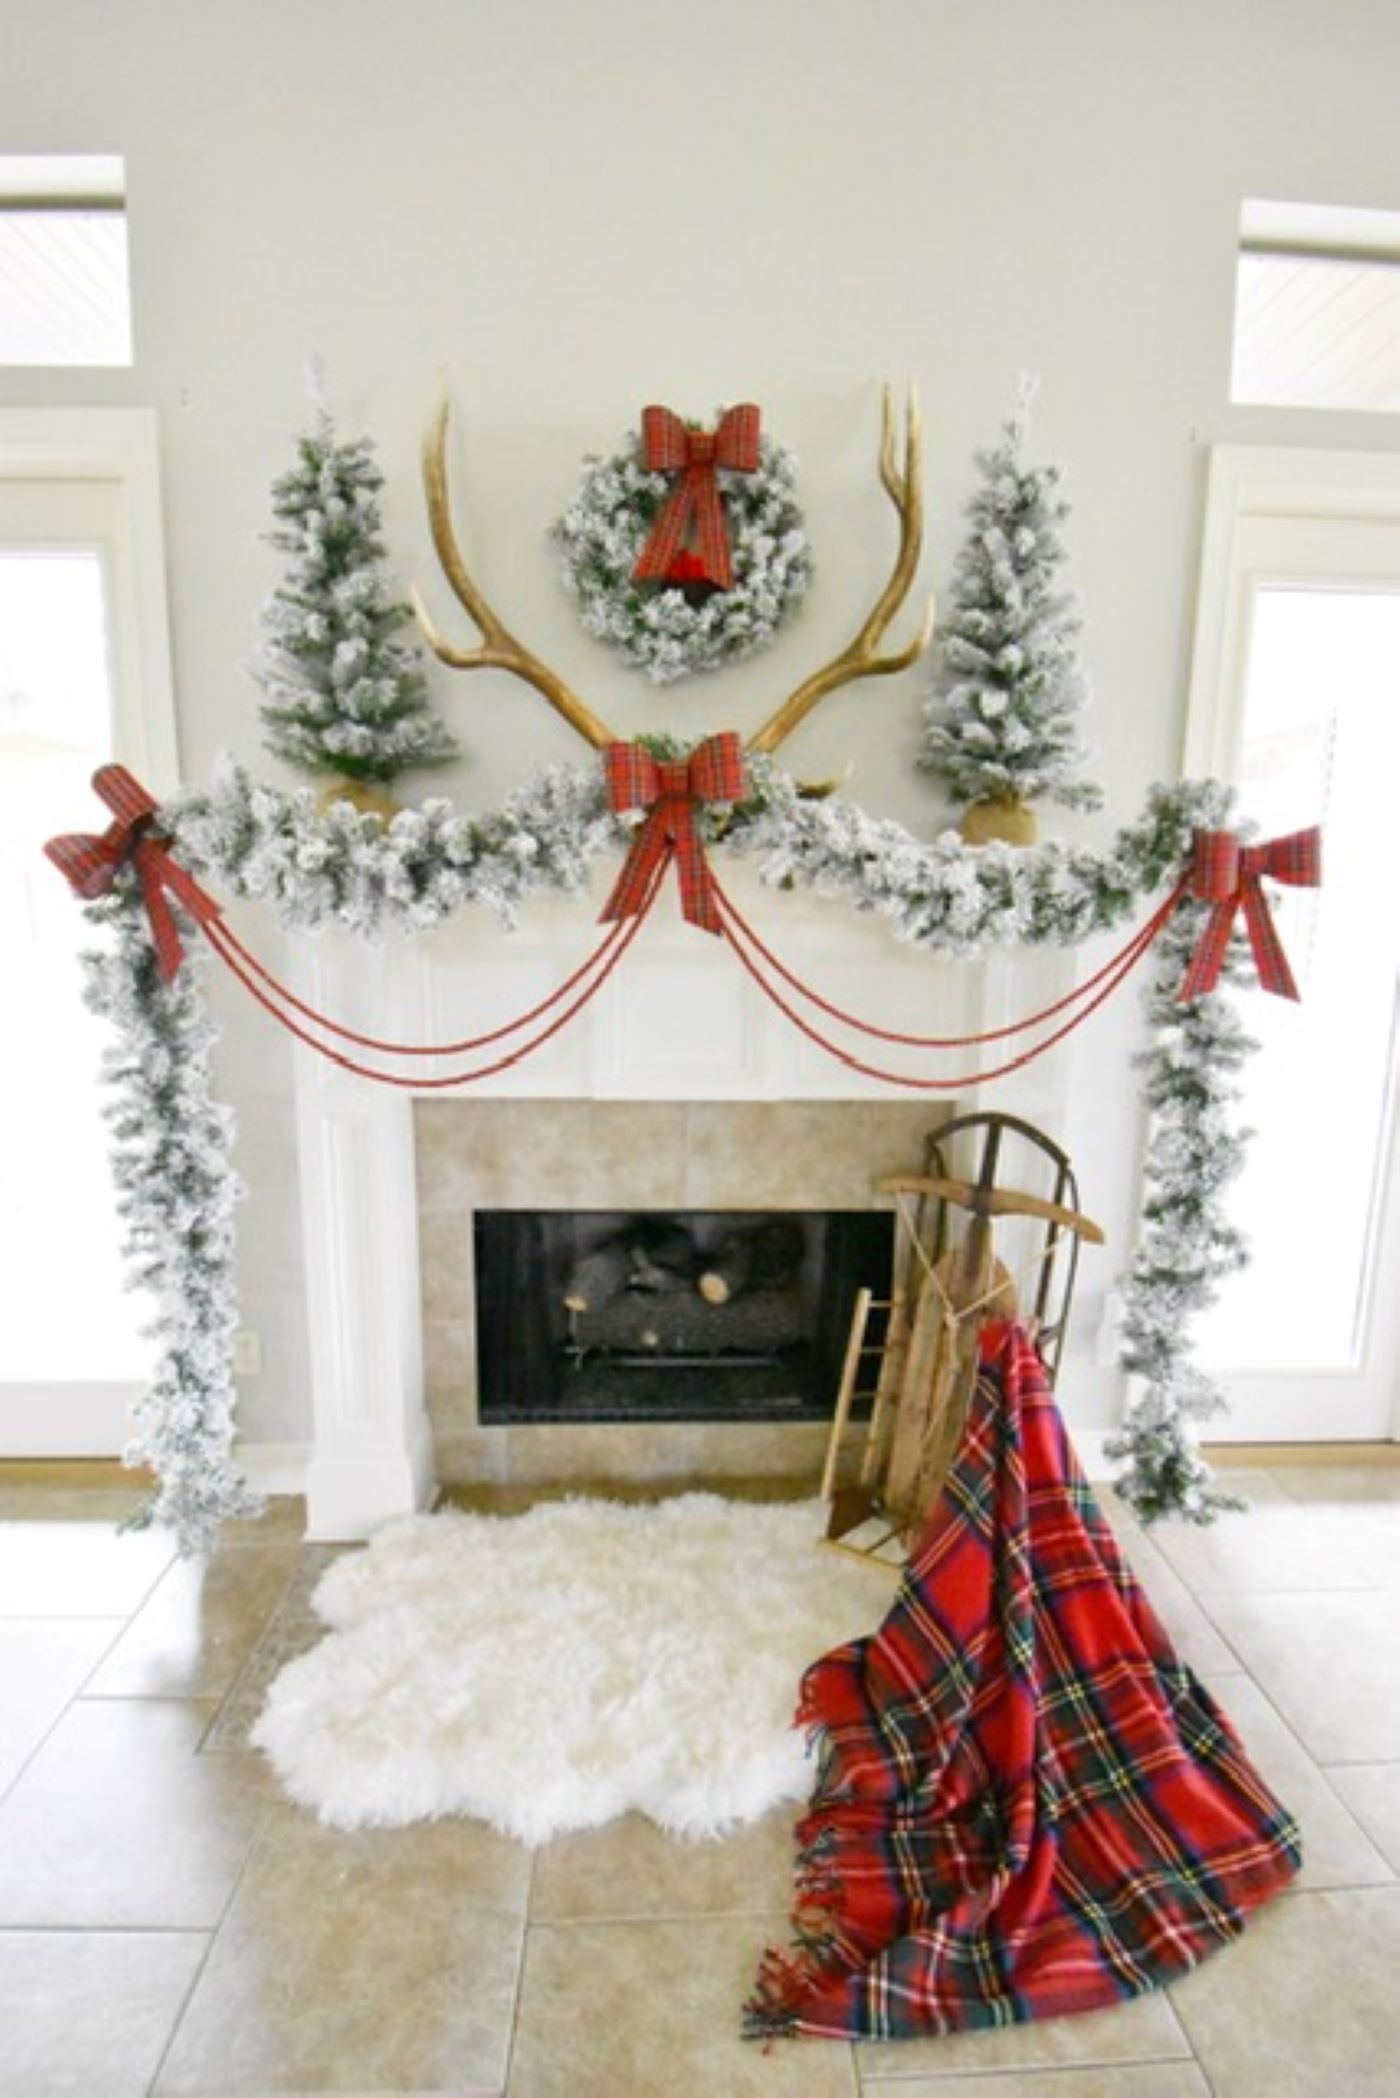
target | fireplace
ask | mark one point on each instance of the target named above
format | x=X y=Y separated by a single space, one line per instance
x=717 y=1315
x=675 y=1090
x=725 y=1167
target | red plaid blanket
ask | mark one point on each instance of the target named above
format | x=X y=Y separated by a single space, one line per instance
x=1026 y=1804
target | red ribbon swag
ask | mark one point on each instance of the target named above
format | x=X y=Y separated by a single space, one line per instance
x=669 y=789
x=693 y=509
x=1227 y=874
x=1221 y=871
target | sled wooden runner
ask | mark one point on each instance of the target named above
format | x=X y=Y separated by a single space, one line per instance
x=893 y=1440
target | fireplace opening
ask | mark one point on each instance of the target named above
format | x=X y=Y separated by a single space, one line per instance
x=608 y=1315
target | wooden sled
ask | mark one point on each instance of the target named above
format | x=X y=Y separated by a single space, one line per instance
x=892 y=1441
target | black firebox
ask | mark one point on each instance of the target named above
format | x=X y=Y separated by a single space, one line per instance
x=616 y=1315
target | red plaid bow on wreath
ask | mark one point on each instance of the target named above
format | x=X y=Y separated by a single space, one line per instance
x=1228 y=875
x=669 y=789
x=671 y=446
x=92 y=864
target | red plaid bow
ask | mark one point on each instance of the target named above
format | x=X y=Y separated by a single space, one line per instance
x=671 y=446
x=91 y=864
x=668 y=790
x=1227 y=874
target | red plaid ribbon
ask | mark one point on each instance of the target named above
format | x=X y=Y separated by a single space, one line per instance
x=91 y=865
x=671 y=446
x=1227 y=874
x=668 y=789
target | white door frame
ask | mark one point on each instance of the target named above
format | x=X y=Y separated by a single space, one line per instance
x=1250 y=487
x=117 y=449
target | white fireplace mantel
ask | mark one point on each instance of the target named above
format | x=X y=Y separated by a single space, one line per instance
x=678 y=1020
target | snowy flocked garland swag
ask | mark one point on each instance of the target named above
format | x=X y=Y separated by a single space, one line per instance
x=338 y=867
x=176 y=1190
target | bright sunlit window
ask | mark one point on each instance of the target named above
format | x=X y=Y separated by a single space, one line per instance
x=1321 y=743
x=64 y=286
x=68 y=1313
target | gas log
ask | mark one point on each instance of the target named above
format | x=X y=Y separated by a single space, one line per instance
x=654 y=1287
x=650 y=1257
x=765 y=1256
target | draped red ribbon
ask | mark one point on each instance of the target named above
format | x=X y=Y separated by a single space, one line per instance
x=669 y=790
x=671 y=446
x=92 y=864
x=1228 y=875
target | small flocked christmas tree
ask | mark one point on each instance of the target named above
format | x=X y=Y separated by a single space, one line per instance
x=1004 y=717
x=343 y=694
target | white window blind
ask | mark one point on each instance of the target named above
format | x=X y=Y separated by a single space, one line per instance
x=64 y=281
x=1317 y=308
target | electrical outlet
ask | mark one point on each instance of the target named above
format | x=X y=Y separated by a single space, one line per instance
x=1108 y=1336
x=247 y=1353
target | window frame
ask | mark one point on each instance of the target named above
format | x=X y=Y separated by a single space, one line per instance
x=1251 y=488
x=118 y=449
x=1248 y=485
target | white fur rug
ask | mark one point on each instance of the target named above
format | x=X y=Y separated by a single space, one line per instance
x=547 y=1671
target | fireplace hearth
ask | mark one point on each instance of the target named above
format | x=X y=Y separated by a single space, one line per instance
x=606 y=1316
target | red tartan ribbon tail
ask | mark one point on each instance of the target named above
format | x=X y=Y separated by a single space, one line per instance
x=1229 y=876
x=91 y=864
x=669 y=790
x=693 y=505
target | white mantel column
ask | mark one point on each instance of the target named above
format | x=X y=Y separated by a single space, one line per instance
x=372 y=1456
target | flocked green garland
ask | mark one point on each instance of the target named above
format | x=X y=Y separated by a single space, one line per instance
x=176 y=1190
x=338 y=867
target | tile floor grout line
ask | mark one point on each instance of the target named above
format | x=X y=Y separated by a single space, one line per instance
x=1321 y=1769
x=1250 y=1595
x=103 y=1930
x=179 y=2018
x=1242 y=1666
x=635 y=1916
x=213 y=1938
x=45 y=1617
x=518 y=1994
x=56 y=1722
x=1010 y=2069
x=236 y=1680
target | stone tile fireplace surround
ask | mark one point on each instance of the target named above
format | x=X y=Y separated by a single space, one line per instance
x=614 y=1155
x=677 y=1088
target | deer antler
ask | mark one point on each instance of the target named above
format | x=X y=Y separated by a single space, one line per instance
x=499 y=650
x=904 y=486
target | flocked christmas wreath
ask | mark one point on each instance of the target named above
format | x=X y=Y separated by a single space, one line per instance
x=682 y=612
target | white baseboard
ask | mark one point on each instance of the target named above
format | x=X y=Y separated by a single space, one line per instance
x=1089 y=1443
x=274 y=1467
x=65 y=1419
x=57 y=1421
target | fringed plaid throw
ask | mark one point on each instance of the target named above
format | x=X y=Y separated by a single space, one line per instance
x=1026 y=1804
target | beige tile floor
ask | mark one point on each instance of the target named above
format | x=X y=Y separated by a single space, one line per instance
x=170 y=1926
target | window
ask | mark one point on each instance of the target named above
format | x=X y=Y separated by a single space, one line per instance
x=83 y=678
x=1296 y=699
x=1317 y=308
x=64 y=291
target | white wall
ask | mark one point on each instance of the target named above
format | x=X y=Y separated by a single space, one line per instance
x=574 y=210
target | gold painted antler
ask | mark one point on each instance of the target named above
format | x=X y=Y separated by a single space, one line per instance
x=499 y=649
x=904 y=486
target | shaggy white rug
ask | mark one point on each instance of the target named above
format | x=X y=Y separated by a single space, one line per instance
x=548 y=1671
